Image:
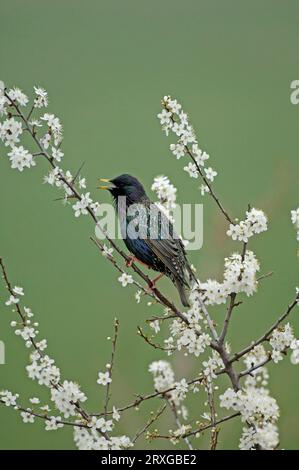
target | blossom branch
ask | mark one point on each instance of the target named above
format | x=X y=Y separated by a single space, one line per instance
x=114 y=341
x=152 y=419
x=266 y=335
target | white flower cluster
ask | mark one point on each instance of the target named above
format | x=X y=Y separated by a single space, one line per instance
x=57 y=177
x=86 y=439
x=295 y=220
x=81 y=206
x=11 y=129
x=41 y=98
x=28 y=416
x=260 y=375
x=10 y=132
x=257 y=409
x=255 y=222
x=164 y=380
x=8 y=398
x=165 y=191
x=281 y=339
x=239 y=276
x=211 y=365
x=53 y=423
x=54 y=130
x=20 y=158
x=65 y=397
x=191 y=338
x=173 y=118
x=43 y=369
x=266 y=437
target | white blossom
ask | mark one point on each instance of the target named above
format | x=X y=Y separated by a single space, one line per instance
x=191 y=170
x=155 y=325
x=54 y=125
x=18 y=96
x=27 y=417
x=295 y=220
x=165 y=191
x=34 y=400
x=20 y=158
x=53 y=423
x=10 y=131
x=104 y=378
x=210 y=173
x=41 y=99
x=18 y=290
x=12 y=300
x=65 y=396
x=255 y=222
x=178 y=150
x=57 y=154
x=8 y=398
x=281 y=339
x=125 y=279
x=107 y=251
x=115 y=414
x=81 y=206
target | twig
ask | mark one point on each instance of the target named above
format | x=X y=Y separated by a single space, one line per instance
x=215 y=432
x=47 y=418
x=114 y=341
x=77 y=405
x=178 y=423
x=142 y=398
x=256 y=366
x=208 y=184
x=152 y=419
x=265 y=336
x=201 y=428
x=150 y=342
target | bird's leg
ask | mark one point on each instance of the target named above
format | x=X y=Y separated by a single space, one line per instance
x=132 y=259
x=152 y=283
x=156 y=279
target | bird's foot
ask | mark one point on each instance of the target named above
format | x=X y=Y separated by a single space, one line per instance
x=155 y=280
x=131 y=259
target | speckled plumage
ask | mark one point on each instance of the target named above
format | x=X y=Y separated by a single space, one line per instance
x=165 y=252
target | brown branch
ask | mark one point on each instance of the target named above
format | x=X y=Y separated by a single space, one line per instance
x=152 y=419
x=114 y=341
x=201 y=428
x=47 y=418
x=148 y=340
x=256 y=366
x=142 y=398
x=77 y=405
x=265 y=336
x=208 y=184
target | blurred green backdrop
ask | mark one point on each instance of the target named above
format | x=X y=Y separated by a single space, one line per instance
x=106 y=65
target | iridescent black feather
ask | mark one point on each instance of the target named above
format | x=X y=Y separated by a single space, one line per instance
x=165 y=251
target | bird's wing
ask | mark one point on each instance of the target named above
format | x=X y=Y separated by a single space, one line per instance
x=166 y=244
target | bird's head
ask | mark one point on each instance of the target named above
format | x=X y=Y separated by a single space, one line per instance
x=124 y=185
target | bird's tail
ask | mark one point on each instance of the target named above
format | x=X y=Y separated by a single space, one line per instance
x=182 y=292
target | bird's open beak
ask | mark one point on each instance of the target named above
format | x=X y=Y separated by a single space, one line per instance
x=105 y=180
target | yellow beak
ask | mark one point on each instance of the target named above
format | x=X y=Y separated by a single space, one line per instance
x=104 y=180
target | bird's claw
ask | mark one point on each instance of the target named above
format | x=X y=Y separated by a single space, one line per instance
x=130 y=261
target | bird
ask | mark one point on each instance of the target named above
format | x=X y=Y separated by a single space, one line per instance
x=164 y=252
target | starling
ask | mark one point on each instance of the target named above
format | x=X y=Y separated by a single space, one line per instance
x=164 y=252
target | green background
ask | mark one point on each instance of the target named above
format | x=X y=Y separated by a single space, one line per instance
x=106 y=65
